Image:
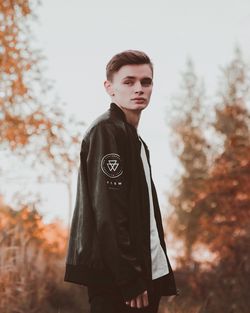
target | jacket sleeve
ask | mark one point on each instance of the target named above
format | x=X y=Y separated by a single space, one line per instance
x=107 y=175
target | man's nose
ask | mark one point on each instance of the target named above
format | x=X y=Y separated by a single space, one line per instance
x=138 y=87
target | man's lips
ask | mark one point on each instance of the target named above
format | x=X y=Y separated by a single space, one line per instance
x=139 y=99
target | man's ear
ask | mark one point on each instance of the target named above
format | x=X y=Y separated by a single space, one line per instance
x=109 y=88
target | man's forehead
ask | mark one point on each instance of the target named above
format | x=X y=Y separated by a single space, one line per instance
x=135 y=71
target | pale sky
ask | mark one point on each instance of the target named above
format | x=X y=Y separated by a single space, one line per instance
x=78 y=38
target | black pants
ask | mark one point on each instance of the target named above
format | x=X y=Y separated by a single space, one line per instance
x=110 y=300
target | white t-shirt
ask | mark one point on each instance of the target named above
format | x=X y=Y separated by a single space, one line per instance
x=158 y=257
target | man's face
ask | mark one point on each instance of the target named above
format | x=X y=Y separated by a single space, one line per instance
x=131 y=87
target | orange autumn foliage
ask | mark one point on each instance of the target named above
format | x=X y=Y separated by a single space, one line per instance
x=31 y=121
x=31 y=258
x=212 y=209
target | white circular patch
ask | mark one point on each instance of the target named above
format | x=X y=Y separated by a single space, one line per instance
x=111 y=165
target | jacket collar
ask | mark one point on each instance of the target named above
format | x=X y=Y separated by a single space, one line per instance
x=118 y=111
x=120 y=114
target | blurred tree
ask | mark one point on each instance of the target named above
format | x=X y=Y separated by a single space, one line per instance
x=224 y=225
x=30 y=124
x=32 y=264
x=186 y=119
x=33 y=127
x=226 y=203
x=220 y=210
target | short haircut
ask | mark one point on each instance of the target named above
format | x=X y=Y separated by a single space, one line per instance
x=125 y=58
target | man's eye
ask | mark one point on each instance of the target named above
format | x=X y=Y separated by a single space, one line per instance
x=146 y=83
x=129 y=82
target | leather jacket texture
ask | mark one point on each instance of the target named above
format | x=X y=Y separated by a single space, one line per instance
x=109 y=239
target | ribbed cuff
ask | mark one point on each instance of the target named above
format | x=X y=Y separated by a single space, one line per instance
x=133 y=288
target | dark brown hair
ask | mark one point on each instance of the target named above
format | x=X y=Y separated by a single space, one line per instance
x=125 y=58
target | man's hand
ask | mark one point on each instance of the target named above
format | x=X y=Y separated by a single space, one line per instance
x=140 y=301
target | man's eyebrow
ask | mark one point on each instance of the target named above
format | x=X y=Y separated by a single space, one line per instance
x=133 y=77
x=129 y=77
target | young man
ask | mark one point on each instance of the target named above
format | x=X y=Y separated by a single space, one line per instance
x=116 y=245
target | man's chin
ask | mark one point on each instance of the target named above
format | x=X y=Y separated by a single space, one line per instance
x=135 y=106
x=138 y=106
x=141 y=107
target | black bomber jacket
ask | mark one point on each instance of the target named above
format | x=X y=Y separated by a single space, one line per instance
x=109 y=240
